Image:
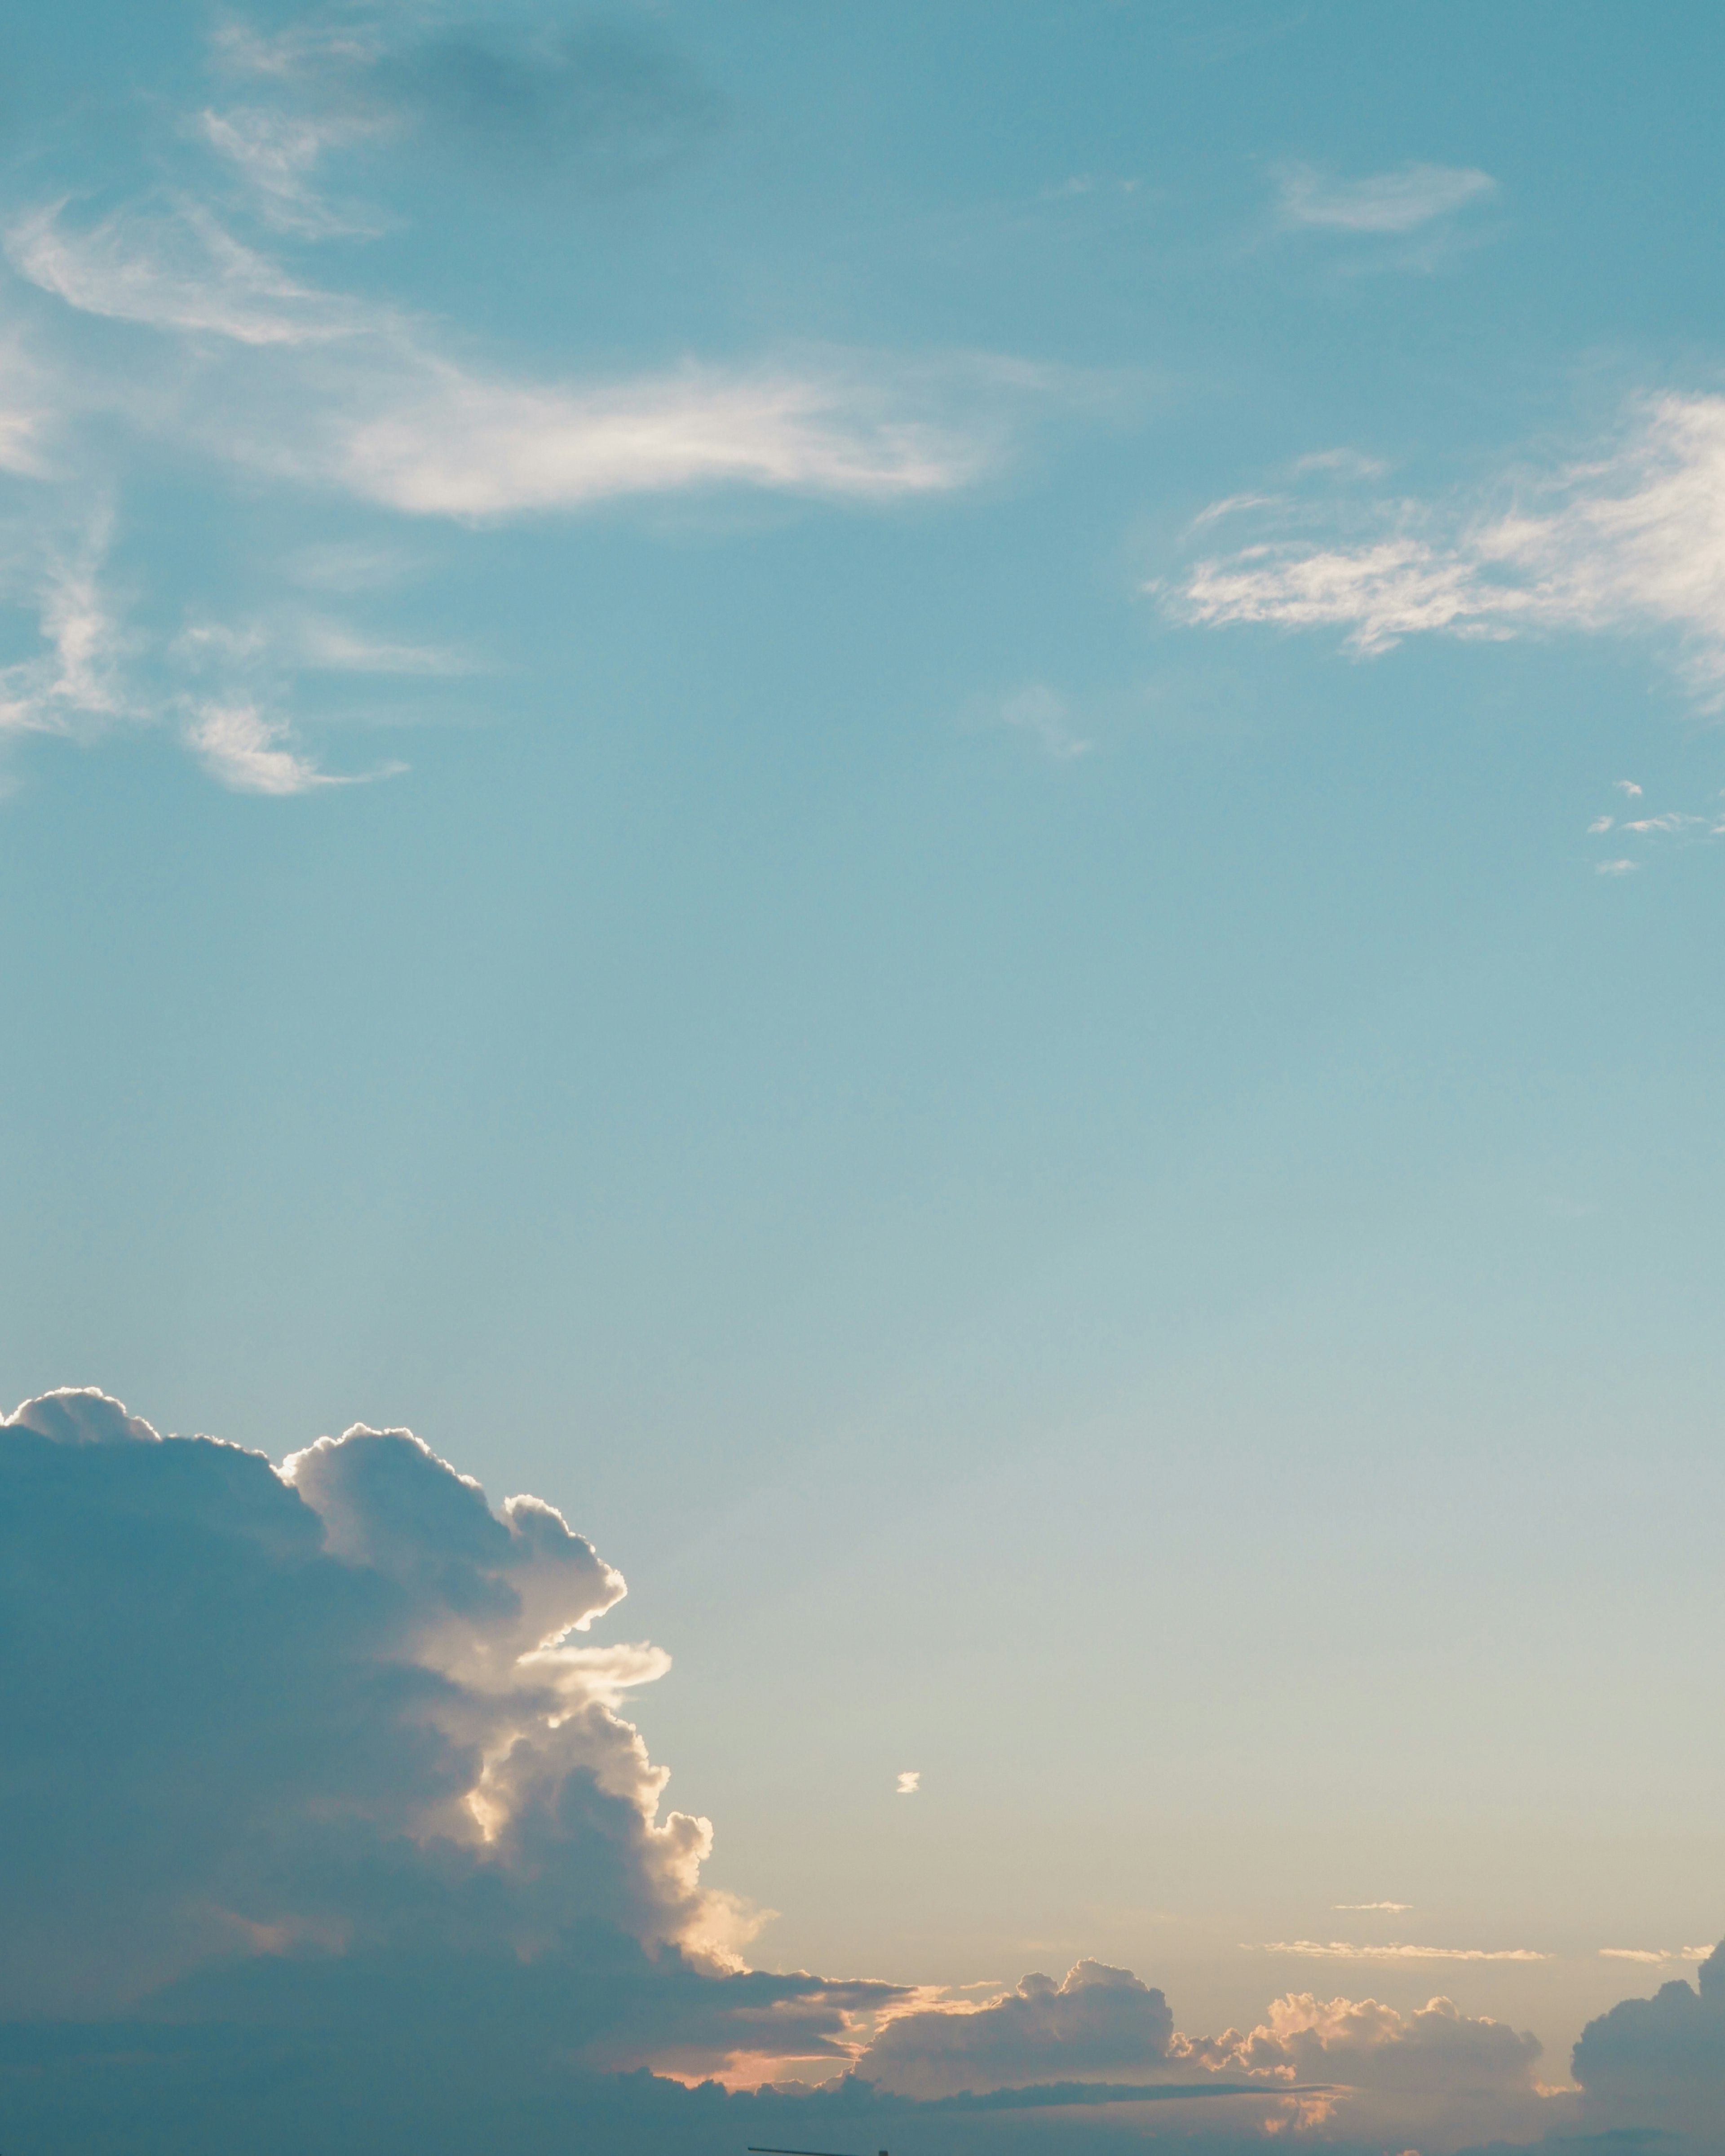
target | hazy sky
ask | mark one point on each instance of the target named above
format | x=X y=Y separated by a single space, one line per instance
x=926 y=801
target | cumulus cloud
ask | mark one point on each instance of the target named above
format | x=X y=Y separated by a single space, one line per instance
x=1099 y=2022
x=1395 y=202
x=1656 y=2067
x=1440 y=2074
x=1629 y=539
x=322 y=1823
x=341 y=1708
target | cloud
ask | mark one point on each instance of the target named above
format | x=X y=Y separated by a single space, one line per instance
x=1657 y=2066
x=603 y=106
x=1438 y=2074
x=277 y=154
x=1629 y=540
x=909 y=1782
x=78 y=679
x=1396 y=1908
x=175 y=268
x=1097 y=2022
x=322 y=1824
x=360 y=398
x=1346 y=1950
x=248 y=752
x=1385 y=201
x=1628 y=786
x=1042 y=717
x=287 y=1732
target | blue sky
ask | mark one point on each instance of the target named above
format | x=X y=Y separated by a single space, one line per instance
x=926 y=802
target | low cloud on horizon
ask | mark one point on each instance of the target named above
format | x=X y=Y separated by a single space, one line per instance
x=318 y=1771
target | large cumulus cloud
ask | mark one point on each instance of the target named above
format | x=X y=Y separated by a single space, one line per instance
x=267 y=1728
x=321 y=1825
x=1658 y=2065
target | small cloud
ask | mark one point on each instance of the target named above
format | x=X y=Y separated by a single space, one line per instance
x=1599 y=824
x=1396 y=1908
x=1635 y=1953
x=909 y=1782
x=1043 y=715
x=1674 y=821
x=1383 y=202
x=331 y=649
x=1350 y=463
x=1614 y=868
x=246 y=751
x=1629 y=788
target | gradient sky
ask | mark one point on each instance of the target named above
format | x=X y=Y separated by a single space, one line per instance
x=1020 y=982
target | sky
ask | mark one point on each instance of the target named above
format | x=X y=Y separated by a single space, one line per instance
x=928 y=803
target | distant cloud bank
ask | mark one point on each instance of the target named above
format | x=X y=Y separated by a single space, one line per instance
x=321 y=1824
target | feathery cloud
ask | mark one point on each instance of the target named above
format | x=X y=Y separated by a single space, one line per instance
x=1395 y=202
x=1629 y=540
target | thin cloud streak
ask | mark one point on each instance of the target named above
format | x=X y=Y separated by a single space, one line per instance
x=1383 y=202
x=1346 y=1950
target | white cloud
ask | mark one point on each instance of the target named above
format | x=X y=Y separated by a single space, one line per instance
x=1630 y=539
x=331 y=648
x=1628 y=786
x=1396 y=1908
x=1346 y=1950
x=360 y=398
x=1617 y=868
x=177 y=269
x=248 y=752
x=79 y=678
x=1385 y=201
x=453 y=444
x=909 y=1782
x=1043 y=716
x=277 y=154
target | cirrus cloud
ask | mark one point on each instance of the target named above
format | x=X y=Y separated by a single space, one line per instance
x=1630 y=539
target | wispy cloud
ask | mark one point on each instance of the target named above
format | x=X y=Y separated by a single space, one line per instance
x=1655 y=1953
x=1629 y=539
x=1043 y=716
x=178 y=269
x=248 y=752
x=1346 y=1950
x=1681 y=827
x=1395 y=202
x=77 y=679
x=277 y=154
x=379 y=411
x=1396 y=1908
